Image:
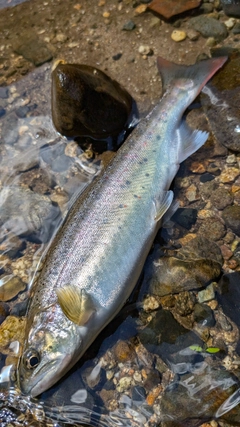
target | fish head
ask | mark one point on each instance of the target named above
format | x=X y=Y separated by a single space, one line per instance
x=49 y=351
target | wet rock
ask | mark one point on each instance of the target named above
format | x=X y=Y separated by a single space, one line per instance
x=224 y=89
x=206 y=177
x=138 y=394
x=4 y=92
x=145 y=50
x=129 y=26
x=10 y=130
x=230 y=23
x=203 y=315
x=184 y=303
x=123 y=351
x=186 y=217
x=206 y=8
x=208 y=189
x=22 y=111
x=20 y=309
x=178 y=36
x=10 y=286
x=12 y=245
x=231 y=216
x=2 y=111
x=213 y=228
x=191 y=267
x=192 y=34
x=228 y=295
x=169 y=8
x=32 y=49
x=221 y=198
x=166 y=341
x=191 y=274
x=27 y=214
x=208 y=27
x=202 y=247
x=12 y=329
x=199 y=393
x=96 y=105
x=206 y=294
x=117 y=56
x=229 y=174
x=37 y=180
x=231 y=7
x=236 y=29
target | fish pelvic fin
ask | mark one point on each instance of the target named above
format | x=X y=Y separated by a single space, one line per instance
x=163 y=205
x=198 y=74
x=76 y=304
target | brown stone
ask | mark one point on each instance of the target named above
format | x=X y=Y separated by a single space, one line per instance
x=169 y=8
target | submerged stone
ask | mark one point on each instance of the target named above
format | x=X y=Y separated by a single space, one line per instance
x=231 y=216
x=10 y=286
x=209 y=27
x=191 y=267
x=26 y=213
x=32 y=49
x=231 y=7
x=87 y=102
x=197 y=395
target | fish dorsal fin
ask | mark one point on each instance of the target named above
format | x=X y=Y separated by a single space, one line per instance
x=76 y=304
x=163 y=205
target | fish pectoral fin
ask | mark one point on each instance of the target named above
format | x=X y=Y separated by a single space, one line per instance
x=76 y=304
x=163 y=205
x=189 y=140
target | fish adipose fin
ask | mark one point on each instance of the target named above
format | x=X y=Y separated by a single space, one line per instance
x=76 y=304
x=189 y=140
x=163 y=205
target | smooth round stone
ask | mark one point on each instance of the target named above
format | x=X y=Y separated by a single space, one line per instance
x=87 y=102
x=178 y=35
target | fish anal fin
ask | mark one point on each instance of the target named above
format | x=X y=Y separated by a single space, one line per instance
x=163 y=205
x=189 y=140
x=76 y=304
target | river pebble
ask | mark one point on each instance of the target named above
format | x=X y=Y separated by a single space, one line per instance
x=40 y=215
x=229 y=174
x=231 y=216
x=213 y=228
x=221 y=198
x=32 y=48
x=129 y=26
x=178 y=35
x=10 y=286
x=208 y=27
x=206 y=294
x=203 y=315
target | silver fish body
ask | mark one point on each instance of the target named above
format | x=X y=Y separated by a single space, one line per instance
x=99 y=252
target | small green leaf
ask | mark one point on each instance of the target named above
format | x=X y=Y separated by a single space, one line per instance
x=212 y=350
x=196 y=348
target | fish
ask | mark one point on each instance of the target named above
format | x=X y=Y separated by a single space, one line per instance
x=97 y=256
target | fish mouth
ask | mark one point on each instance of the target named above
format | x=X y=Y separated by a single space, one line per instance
x=46 y=377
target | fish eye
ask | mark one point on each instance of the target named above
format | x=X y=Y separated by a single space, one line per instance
x=31 y=359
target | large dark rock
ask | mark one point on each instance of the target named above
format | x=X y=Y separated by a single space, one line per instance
x=87 y=102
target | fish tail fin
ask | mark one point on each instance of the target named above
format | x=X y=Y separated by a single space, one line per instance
x=198 y=73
